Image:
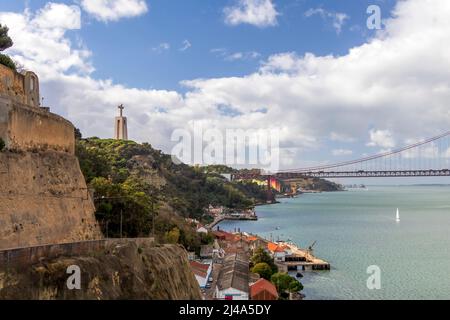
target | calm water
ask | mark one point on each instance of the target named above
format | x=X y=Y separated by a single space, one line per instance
x=357 y=229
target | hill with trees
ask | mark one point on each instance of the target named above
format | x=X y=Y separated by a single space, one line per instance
x=140 y=191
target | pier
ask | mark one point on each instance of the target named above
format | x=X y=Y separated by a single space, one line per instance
x=233 y=217
x=300 y=259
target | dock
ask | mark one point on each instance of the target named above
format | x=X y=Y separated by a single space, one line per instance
x=302 y=260
x=226 y=217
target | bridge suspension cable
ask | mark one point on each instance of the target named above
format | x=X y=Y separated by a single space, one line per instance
x=385 y=155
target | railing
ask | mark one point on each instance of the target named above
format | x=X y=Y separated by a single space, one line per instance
x=25 y=257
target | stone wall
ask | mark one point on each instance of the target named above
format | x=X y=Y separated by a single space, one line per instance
x=24 y=125
x=28 y=128
x=43 y=200
x=20 y=87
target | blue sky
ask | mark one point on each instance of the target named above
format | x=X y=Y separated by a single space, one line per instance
x=335 y=89
x=123 y=50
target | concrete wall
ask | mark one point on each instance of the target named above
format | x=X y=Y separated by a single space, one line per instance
x=28 y=128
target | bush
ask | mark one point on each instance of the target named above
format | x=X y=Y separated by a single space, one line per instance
x=7 y=62
x=264 y=270
x=2 y=144
x=5 y=41
x=285 y=284
x=261 y=256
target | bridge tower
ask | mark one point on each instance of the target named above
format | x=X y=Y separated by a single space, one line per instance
x=270 y=195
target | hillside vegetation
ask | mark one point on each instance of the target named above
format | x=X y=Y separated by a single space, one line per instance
x=140 y=191
x=143 y=187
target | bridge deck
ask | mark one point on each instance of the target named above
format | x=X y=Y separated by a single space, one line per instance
x=365 y=174
x=347 y=174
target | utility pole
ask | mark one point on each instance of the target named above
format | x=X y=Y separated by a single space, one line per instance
x=153 y=221
x=121 y=222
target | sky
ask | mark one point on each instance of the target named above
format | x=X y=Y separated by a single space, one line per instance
x=335 y=89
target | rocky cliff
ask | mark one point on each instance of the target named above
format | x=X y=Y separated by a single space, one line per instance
x=43 y=199
x=122 y=271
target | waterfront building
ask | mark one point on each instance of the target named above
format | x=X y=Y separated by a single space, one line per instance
x=263 y=290
x=233 y=281
x=278 y=252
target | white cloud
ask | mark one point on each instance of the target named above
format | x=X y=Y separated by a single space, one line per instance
x=342 y=152
x=235 y=56
x=59 y=16
x=429 y=151
x=260 y=13
x=398 y=81
x=381 y=138
x=337 y=18
x=447 y=153
x=113 y=10
x=250 y=55
x=186 y=45
x=161 y=47
x=40 y=41
x=341 y=137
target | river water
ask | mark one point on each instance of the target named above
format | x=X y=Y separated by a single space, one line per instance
x=357 y=229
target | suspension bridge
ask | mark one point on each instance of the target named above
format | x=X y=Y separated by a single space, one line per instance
x=426 y=158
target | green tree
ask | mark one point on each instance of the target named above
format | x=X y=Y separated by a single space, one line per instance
x=285 y=283
x=5 y=41
x=7 y=61
x=122 y=206
x=264 y=270
x=173 y=236
x=295 y=286
x=78 y=134
x=261 y=256
x=147 y=188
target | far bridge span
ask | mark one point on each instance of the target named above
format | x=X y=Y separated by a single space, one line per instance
x=427 y=158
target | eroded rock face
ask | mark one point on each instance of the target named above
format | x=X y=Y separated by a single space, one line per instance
x=125 y=271
x=44 y=199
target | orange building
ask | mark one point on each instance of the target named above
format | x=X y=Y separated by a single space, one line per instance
x=263 y=290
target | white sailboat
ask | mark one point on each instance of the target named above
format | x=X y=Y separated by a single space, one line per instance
x=398 y=215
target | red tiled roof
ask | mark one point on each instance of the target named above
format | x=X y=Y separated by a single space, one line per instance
x=273 y=247
x=224 y=235
x=263 y=285
x=199 y=269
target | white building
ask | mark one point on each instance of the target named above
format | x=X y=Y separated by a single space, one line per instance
x=233 y=281
x=278 y=252
x=202 y=272
x=202 y=229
